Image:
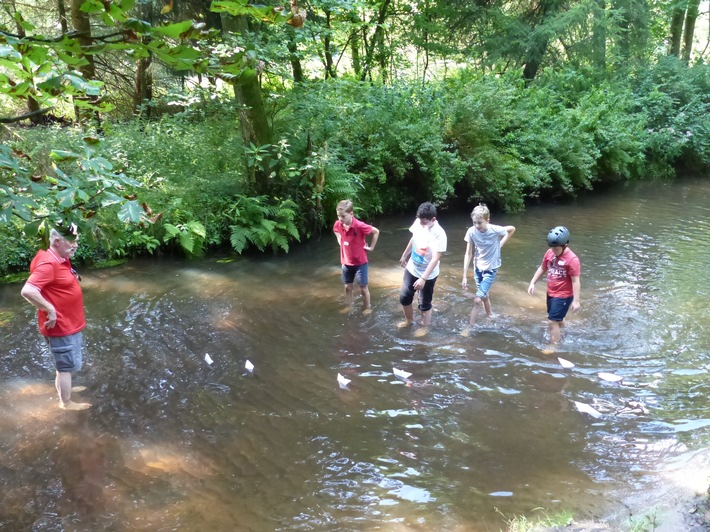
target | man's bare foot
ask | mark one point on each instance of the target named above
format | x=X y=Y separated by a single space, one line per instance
x=367 y=311
x=422 y=331
x=78 y=389
x=403 y=324
x=465 y=332
x=346 y=310
x=71 y=405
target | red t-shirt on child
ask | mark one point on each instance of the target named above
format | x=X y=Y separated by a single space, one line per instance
x=560 y=271
x=352 y=242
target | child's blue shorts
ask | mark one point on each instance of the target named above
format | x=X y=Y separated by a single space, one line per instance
x=484 y=281
x=355 y=273
x=557 y=307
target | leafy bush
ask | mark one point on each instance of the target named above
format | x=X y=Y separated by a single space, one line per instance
x=387 y=143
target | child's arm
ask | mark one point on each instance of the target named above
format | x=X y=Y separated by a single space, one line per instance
x=576 y=289
x=373 y=242
x=407 y=252
x=337 y=235
x=466 y=261
x=509 y=232
x=536 y=278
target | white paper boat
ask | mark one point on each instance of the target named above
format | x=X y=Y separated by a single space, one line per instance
x=342 y=381
x=208 y=359
x=249 y=366
x=565 y=363
x=587 y=409
x=400 y=374
x=611 y=377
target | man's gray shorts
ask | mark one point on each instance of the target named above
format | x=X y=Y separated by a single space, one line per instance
x=67 y=352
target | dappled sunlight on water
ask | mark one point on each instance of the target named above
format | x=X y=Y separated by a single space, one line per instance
x=487 y=424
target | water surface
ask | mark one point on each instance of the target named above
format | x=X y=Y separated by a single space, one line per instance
x=486 y=428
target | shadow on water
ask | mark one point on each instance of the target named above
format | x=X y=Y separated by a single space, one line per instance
x=485 y=425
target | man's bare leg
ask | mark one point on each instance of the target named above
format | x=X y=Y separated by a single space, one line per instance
x=63 y=384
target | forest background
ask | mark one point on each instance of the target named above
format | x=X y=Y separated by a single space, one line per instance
x=191 y=126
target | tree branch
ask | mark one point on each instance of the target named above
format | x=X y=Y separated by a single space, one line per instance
x=13 y=119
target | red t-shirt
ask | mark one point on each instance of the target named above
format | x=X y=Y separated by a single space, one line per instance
x=560 y=271
x=352 y=242
x=59 y=286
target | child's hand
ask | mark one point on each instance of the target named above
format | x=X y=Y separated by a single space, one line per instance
x=531 y=289
x=464 y=284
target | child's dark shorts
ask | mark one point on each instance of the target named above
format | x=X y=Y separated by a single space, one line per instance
x=355 y=273
x=557 y=307
x=426 y=294
x=67 y=351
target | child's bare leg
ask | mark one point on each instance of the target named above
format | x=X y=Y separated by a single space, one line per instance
x=426 y=318
x=475 y=310
x=555 y=332
x=365 y=293
x=487 y=305
x=408 y=316
x=349 y=294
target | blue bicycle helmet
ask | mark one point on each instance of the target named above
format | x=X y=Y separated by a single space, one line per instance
x=559 y=236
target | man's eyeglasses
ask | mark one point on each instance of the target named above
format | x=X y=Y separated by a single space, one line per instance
x=76 y=274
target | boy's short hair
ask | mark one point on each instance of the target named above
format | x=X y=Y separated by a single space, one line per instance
x=427 y=211
x=345 y=205
x=481 y=210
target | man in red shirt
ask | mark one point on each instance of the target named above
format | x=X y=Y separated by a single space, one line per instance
x=53 y=287
x=351 y=234
x=563 y=284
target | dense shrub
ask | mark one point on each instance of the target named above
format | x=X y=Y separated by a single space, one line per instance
x=387 y=148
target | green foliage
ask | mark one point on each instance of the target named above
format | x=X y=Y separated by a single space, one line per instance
x=190 y=235
x=676 y=103
x=44 y=187
x=255 y=220
x=386 y=142
x=543 y=520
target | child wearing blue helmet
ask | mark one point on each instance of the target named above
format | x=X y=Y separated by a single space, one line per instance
x=563 y=284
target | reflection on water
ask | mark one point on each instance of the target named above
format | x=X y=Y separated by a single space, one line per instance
x=485 y=425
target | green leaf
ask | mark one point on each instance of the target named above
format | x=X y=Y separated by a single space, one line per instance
x=32 y=228
x=131 y=212
x=51 y=85
x=137 y=25
x=9 y=52
x=173 y=30
x=59 y=156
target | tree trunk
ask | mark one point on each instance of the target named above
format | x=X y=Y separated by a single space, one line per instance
x=33 y=106
x=253 y=122
x=599 y=35
x=293 y=58
x=355 y=49
x=82 y=25
x=539 y=40
x=143 y=87
x=376 y=43
x=379 y=39
x=62 y=16
x=327 y=50
x=689 y=32
x=676 y=29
